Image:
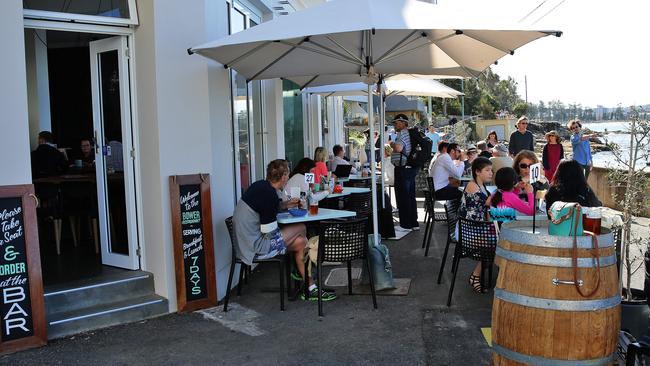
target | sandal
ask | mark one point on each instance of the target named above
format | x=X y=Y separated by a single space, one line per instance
x=475 y=282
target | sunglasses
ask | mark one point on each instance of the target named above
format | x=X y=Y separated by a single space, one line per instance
x=575 y=128
x=523 y=123
x=524 y=166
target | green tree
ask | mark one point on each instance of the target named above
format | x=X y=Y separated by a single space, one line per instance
x=520 y=109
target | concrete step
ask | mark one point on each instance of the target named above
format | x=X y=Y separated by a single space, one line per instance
x=102 y=315
x=106 y=288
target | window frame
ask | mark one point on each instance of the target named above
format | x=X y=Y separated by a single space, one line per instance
x=83 y=18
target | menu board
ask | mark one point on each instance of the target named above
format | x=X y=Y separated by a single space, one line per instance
x=193 y=247
x=22 y=311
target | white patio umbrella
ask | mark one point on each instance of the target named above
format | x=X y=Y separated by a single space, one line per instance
x=363 y=40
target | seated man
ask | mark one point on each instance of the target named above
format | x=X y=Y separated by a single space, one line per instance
x=256 y=226
x=500 y=157
x=446 y=171
x=339 y=154
x=87 y=154
x=47 y=160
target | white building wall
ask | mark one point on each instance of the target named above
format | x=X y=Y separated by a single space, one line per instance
x=38 y=85
x=14 y=126
x=185 y=125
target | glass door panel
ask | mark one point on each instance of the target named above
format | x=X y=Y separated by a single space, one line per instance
x=114 y=165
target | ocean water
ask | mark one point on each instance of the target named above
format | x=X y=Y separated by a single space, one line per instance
x=613 y=132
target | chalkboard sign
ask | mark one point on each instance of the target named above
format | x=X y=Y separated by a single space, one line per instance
x=22 y=309
x=193 y=247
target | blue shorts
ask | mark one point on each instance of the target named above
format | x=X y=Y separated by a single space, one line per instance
x=277 y=247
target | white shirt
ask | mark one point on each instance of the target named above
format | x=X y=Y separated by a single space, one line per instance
x=340 y=161
x=443 y=168
x=298 y=180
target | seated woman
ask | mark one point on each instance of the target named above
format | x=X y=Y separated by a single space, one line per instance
x=570 y=185
x=297 y=176
x=505 y=203
x=521 y=165
x=473 y=206
x=320 y=169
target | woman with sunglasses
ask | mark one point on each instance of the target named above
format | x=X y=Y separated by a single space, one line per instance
x=580 y=145
x=521 y=165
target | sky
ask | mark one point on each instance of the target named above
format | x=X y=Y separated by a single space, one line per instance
x=602 y=58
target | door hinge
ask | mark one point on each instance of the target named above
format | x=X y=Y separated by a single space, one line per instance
x=127 y=52
x=133 y=153
x=138 y=252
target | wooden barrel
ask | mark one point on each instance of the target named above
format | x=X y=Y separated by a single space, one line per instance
x=539 y=319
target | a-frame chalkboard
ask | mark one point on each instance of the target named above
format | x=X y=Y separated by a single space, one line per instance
x=191 y=213
x=22 y=304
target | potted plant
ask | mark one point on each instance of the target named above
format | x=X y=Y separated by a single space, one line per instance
x=631 y=182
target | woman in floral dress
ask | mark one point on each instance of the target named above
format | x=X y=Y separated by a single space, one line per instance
x=473 y=206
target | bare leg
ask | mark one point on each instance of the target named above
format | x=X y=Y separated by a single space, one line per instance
x=295 y=237
x=477 y=270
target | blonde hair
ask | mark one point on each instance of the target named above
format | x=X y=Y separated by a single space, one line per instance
x=320 y=154
x=388 y=150
x=276 y=170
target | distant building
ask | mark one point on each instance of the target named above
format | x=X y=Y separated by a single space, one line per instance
x=599 y=112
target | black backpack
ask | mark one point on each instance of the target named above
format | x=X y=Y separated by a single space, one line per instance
x=420 y=148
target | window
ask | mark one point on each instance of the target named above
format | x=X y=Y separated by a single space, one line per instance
x=294 y=146
x=247 y=106
x=116 y=12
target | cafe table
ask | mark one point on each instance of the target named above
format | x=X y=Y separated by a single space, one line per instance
x=539 y=217
x=347 y=191
x=323 y=214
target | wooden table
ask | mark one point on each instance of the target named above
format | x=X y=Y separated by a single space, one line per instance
x=323 y=214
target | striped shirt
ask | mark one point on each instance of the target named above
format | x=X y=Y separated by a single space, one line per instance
x=402 y=138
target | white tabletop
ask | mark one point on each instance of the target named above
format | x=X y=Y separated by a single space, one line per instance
x=348 y=191
x=323 y=214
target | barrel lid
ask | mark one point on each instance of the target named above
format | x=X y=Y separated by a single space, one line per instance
x=521 y=232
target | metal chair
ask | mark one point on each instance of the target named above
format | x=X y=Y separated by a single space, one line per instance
x=361 y=203
x=477 y=240
x=343 y=241
x=430 y=210
x=281 y=260
x=451 y=211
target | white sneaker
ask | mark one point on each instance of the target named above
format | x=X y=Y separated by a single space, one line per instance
x=399 y=228
x=416 y=228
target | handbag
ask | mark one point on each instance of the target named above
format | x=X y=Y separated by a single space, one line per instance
x=566 y=219
x=380 y=266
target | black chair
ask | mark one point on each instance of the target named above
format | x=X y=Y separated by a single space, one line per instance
x=451 y=211
x=49 y=209
x=343 y=241
x=477 y=240
x=79 y=200
x=361 y=203
x=430 y=212
x=359 y=183
x=279 y=259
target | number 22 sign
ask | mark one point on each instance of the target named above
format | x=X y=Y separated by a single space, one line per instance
x=535 y=172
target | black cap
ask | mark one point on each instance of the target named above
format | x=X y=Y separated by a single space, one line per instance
x=401 y=117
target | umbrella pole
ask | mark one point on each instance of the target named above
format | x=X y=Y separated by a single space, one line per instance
x=382 y=121
x=373 y=177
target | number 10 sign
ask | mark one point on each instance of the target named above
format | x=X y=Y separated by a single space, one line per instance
x=535 y=172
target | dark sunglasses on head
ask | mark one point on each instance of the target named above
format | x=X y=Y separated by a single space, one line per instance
x=524 y=166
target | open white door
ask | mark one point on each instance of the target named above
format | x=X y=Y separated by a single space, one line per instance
x=109 y=69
